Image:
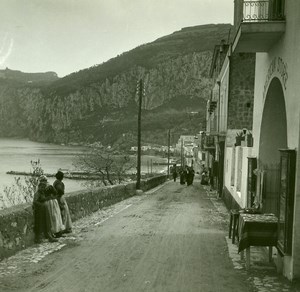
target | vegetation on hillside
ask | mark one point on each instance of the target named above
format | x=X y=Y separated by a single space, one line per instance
x=100 y=103
x=187 y=40
x=18 y=77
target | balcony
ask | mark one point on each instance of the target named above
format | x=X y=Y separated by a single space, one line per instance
x=209 y=142
x=261 y=25
x=212 y=106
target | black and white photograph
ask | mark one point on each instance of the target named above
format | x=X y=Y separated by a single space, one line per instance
x=149 y=145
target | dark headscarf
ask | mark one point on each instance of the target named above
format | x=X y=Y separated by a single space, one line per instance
x=59 y=175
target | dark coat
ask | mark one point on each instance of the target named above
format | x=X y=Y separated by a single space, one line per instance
x=41 y=213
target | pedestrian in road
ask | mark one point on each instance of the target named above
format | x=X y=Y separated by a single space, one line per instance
x=60 y=189
x=183 y=174
x=42 y=221
x=174 y=172
x=190 y=175
x=204 y=177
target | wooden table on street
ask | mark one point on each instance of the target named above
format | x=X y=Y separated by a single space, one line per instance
x=257 y=230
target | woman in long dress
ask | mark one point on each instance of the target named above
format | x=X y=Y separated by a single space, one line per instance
x=57 y=226
x=42 y=217
x=60 y=189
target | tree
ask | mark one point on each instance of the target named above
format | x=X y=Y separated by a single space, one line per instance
x=22 y=190
x=123 y=164
x=111 y=167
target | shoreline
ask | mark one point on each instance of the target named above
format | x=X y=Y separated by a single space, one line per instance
x=77 y=175
x=70 y=175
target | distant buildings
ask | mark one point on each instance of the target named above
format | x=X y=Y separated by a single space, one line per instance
x=185 y=148
x=161 y=149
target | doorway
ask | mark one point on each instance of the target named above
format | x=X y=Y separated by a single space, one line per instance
x=273 y=136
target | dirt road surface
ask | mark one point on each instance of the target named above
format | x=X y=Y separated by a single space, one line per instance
x=172 y=239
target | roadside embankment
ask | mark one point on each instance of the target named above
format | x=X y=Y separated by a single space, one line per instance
x=16 y=223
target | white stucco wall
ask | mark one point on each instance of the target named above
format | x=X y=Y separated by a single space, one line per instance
x=239 y=195
x=223 y=106
x=283 y=62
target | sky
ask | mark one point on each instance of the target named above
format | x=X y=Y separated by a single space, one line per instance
x=65 y=36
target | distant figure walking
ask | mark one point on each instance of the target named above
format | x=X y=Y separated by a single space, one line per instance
x=60 y=189
x=174 y=172
x=190 y=176
x=183 y=175
x=204 y=177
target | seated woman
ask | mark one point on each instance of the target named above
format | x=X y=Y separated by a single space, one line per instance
x=60 y=189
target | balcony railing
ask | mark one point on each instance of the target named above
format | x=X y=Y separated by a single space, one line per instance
x=212 y=106
x=207 y=142
x=267 y=10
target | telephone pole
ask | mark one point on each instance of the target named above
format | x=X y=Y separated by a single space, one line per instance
x=181 y=154
x=169 y=153
x=138 y=176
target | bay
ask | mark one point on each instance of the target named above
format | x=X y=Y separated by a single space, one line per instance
x=16 y=154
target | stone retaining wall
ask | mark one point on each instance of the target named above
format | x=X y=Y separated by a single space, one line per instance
x=16 y=223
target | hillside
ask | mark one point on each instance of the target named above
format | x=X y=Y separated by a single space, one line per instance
x=99 y=103
x=186 y=41
x=15 y=76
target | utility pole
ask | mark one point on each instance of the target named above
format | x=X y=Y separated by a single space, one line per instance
x=138 y=176
x=168 y=153
x=181 y=153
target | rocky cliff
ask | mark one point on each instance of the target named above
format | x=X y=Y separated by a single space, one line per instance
x=100 y=103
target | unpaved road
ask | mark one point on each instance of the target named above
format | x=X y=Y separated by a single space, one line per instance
x=169 y=240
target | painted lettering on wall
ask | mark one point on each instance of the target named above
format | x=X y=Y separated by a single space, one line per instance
x=279 y=68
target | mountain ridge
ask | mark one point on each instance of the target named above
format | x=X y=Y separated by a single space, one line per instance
x=100 y=103
x=25 y=77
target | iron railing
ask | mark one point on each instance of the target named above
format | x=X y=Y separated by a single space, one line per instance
x=209 y=142
x=266 y=10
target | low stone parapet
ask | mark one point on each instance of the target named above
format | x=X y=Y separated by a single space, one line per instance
x=16 y=223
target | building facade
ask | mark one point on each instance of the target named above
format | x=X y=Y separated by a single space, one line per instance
x=185 y=146
x=229 y=114
x=270 y=29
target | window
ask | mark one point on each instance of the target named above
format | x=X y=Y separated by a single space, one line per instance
x=239 y=169
x=233 y=166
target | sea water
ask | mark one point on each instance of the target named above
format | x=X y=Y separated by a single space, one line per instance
x=16 y=154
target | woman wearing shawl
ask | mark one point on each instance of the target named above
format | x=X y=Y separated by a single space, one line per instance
x=42 y=221
x=60 y=189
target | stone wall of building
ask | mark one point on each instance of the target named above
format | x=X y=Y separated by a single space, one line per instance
x=16 y=223
x=241 y=91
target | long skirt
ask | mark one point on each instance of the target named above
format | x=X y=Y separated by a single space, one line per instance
x=66 y=217
x=55 y=216
x=42 y=224
x=182 y=178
